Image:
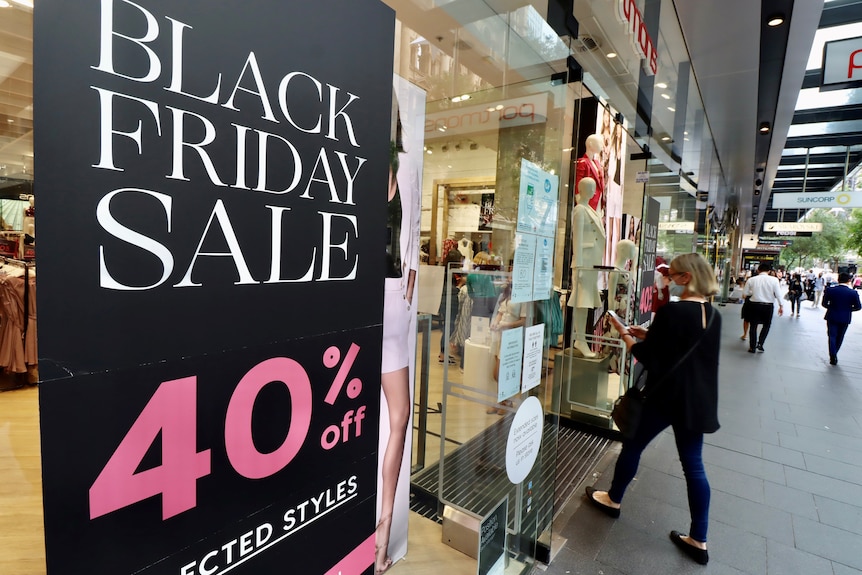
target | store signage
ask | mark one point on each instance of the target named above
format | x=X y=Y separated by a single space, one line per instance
x=642 y=177
x=629 y=14
x=648 y=257
x=842 y=64
x=774 y=242
x=491 y=116
x=492 y=540
x=676 y=226
x=210 y=387
x=787 y=235
x=8 y=248
x=817 y=200
x=792 y=227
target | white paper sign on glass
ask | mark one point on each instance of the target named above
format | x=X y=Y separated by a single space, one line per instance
x=532 y=371
x=511 y=353
x=543 y=272
x=523 y=267
x=537 y=200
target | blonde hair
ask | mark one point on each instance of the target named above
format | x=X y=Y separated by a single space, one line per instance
x=703 y=281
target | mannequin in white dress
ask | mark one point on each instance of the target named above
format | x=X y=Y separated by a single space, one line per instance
x=588 y=248
x=465 y=247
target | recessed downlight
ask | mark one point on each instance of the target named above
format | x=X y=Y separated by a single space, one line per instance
x=775 y=20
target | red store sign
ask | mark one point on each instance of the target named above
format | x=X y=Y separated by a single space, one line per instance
x=629 y=14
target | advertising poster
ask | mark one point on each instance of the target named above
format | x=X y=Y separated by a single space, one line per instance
x=649 y=230
x=399 y=328
x=211 y=383
x=612 y=159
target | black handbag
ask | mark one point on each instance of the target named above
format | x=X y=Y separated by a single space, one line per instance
x=628 y=407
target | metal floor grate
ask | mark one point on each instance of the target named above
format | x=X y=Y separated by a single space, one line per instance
x=474 y=475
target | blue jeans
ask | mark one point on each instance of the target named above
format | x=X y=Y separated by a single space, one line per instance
x=689 y=445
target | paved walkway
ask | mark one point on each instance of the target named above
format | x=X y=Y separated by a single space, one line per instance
x=785 y=469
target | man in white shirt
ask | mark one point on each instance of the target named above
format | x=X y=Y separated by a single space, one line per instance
x=761 y=290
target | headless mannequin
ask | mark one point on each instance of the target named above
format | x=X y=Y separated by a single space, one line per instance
x=626 y=250
x=29 y=219
x=588 y=248
x=465 y=247
x=590 y=167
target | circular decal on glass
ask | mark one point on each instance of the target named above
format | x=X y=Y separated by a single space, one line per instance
x=525 y=438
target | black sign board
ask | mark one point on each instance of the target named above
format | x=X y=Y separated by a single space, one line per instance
x=492 y=541
x=212 y=195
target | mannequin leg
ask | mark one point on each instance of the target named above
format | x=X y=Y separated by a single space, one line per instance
x=579 y=317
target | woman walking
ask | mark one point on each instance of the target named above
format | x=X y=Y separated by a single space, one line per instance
x=680 y=350
x=794 y=292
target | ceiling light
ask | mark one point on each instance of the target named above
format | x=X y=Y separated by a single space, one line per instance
x=764 y=128
x=430 y=151
x=666 y=96
x=612 y=54
x=491 y=109
x=775 y=20
x=499 y=107
x=661 y=85
x=666 y=139
x=686 y=139
x=442 y=128
x=4 y=4
x=465 y=97
x=671 y=108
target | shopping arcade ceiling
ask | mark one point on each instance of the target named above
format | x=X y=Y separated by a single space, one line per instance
x=825 y=136
x=739 y=90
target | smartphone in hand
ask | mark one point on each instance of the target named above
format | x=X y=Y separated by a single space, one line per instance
x=616 y=321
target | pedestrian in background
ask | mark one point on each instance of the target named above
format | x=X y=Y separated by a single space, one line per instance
x=819 y=285
x=761 y=290
x=794 y=292
x=840 y=302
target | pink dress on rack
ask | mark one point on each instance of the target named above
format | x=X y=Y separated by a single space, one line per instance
x=12 y=324
x=31 y=355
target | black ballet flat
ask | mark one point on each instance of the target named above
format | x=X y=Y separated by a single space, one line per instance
x=607 y=509
x=699 y=555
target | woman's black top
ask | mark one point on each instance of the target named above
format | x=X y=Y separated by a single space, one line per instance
x=794 y=287
x=689 y=395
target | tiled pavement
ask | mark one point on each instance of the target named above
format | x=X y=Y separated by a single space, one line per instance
x=785 y=470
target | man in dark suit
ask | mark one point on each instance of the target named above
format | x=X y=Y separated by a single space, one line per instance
x=840 y=302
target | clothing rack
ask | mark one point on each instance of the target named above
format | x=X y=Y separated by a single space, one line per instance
x=31 y=369
x=14 y=262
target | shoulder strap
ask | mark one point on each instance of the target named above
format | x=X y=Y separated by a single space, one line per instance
x=683 y=358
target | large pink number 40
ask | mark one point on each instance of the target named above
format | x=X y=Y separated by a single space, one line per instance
x=172 y=411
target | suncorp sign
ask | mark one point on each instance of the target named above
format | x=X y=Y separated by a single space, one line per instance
x=817 y=200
